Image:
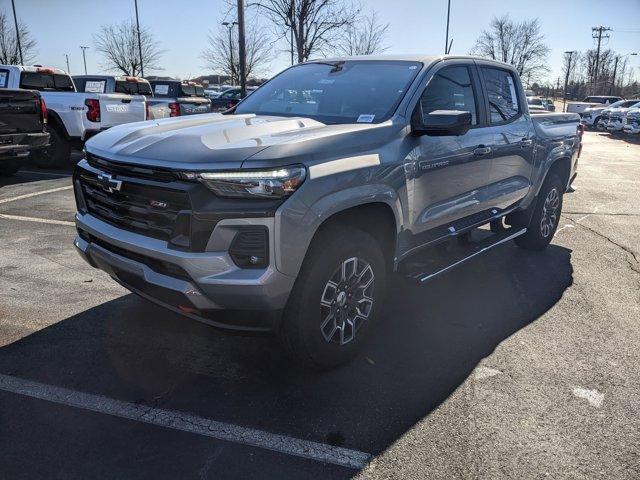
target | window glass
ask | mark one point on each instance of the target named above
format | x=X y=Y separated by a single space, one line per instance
x=501 y=91
x=349 y=91
x=144 y=89
x=188 y=90
x=4 y=77
x=46 y=81
x=534 y=101
x=124 y=86
x=233 y=93
x=450 y=89
x=199 y=91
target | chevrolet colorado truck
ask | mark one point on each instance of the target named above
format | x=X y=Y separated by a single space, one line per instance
x=23 y=118
x=73 y=116
x=305 y=198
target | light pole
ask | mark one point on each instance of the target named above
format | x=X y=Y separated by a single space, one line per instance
x=615 y=69
x=242 y=50
x=15 y=20
x=292 y=15
x=84 y=58
x=68 y=69
x=139 y=43
x=566 y=80
x=229 y=26
x=446 y=40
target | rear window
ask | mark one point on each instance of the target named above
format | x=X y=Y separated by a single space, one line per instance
x=133 y=88
x=46 y=81
x=90 y=85
x=534 y=101
x=161 y=89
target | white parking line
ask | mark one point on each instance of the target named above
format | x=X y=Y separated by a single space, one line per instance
x=34 y=194
x=188 y=423
x=38 y=220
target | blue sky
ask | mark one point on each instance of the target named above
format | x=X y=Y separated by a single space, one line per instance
x=417 y=26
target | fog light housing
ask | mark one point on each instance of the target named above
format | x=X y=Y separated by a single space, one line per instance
x=250 y=247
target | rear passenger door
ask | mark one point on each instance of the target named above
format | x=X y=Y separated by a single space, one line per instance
x=513 y=137
x=446 y=174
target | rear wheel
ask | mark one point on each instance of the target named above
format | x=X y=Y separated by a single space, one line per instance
x=57 y=154
x=336 y=300
x=546 y=215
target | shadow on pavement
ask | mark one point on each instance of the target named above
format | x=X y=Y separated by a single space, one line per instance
x=430 y=341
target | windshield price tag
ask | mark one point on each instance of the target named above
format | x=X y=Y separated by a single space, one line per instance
x=94 y=86
x=366 y=118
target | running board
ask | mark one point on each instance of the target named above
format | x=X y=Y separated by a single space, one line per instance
x=472 y=250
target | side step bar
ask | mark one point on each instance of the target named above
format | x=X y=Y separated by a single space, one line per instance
x=473 y=251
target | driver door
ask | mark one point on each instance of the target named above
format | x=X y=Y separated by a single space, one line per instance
x=447 y=174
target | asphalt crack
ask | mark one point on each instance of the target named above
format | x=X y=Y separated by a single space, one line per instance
x=635 y=264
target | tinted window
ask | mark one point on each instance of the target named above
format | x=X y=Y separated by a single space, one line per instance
x=233 y=93
x=123 y=86
x=46 y=81
x=188 y=90
x=4 y=78
x=501 y=93
x=450 y=89
x=199 y=91
x=342 y=92
x=144 y=89
x=535 y=101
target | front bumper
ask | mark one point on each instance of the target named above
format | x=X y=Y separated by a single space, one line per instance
x=633 y=128
x=196 y=284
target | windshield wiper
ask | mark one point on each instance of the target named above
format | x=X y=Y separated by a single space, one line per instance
x=337 y=66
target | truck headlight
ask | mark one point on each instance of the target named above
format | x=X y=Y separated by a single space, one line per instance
x=272 y=183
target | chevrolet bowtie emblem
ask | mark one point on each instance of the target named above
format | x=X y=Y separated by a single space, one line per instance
x=108 y=183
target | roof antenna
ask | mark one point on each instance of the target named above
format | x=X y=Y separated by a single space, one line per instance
x=450 y=45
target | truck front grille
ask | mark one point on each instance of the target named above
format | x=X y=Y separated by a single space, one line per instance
x=142 y=207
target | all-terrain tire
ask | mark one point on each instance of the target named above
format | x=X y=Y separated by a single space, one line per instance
x=314 y=299
x=545 y=217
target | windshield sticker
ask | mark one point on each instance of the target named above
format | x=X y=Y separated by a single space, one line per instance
x=413 y=67
x=326 y=81
x=512 y=90
x=94 y=86
x=368 y=118
x=3 y=79
x=161 y=89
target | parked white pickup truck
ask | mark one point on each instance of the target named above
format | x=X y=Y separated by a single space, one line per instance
x=593 y=101
x=73 y=116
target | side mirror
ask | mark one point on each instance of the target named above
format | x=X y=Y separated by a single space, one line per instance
x=441 y=123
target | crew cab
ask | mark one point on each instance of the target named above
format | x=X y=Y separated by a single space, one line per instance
x=299 y=204
x=23 y=117
x=173 y=98
x=72 y=117
x=592 y=101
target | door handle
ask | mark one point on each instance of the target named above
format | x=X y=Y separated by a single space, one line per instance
x=482 y=150
x=526 y=142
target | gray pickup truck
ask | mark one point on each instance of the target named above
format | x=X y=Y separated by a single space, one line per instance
x=305 y=198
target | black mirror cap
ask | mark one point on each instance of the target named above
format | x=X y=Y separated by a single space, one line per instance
x=443 y=123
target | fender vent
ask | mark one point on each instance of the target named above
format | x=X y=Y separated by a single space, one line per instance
x=250 y=248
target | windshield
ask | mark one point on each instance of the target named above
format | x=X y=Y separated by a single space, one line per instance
x=344 y=92
x=534 y=101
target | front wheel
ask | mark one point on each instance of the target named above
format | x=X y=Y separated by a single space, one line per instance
x=57 y=154
x=546 y=215
x=336 y=299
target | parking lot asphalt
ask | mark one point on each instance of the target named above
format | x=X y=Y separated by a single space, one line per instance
x=515 y=365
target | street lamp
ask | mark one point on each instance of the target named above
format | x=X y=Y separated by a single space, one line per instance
x=615 y=69
x=229 y=26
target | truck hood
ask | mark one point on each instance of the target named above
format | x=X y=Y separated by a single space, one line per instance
x=210 y=141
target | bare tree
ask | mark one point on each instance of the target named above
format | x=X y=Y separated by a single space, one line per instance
x=317 y=24
x=9 y=53
x=223 y=57
x=119 y=45
x=520 y=44
x=365 y=36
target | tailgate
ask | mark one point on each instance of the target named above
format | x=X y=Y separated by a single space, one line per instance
x=19 y=111
x=194 y=105
x=119 y=108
